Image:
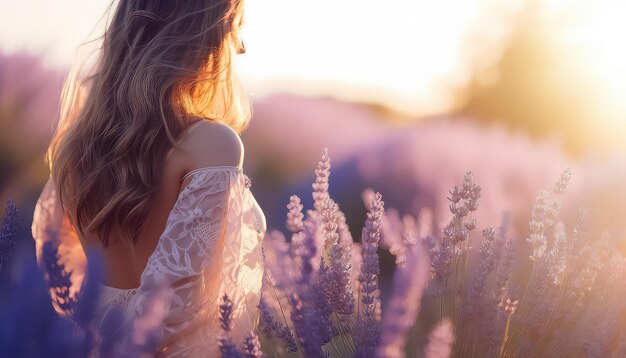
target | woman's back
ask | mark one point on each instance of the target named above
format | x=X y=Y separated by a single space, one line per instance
x=204 y=144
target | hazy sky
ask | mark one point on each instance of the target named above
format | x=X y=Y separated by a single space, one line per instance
x=405 y=53
x=408 y=54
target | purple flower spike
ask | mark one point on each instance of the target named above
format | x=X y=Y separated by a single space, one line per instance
x=563 y=182
x=504 y=270
x=226 y=312
x=306 y=251
x=295 y=216
x=463 y=200
x=58 y=279
x=228 y=349
x=252 y=347
x=368 y=326
x=320 y=186
x=329 y=219
x=266 y=320
x=336 y=279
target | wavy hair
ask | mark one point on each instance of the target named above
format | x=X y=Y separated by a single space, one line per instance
x=160 y=63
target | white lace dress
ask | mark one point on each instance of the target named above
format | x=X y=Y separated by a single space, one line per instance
x=211 y=246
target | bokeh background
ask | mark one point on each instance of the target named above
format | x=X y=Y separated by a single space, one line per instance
x=406 y=95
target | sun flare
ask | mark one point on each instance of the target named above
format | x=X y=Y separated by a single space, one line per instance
x=600 y=42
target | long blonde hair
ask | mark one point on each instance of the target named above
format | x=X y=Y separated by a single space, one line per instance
x=160 y=62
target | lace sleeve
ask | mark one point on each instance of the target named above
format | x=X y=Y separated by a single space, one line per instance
x=209 y=248
x=51 y=224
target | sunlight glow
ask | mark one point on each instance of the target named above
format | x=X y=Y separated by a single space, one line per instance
x=407 y=54
x=596 y=37
x=607 y=52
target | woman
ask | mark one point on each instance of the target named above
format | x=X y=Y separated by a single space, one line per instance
x=146 y=166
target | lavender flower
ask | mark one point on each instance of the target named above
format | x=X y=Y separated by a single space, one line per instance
x=310 y=335
x=294 y=216
x=320 y=186
x=368 y=331
x=345 y=237
x=58 y=279
x=336 y=280
x=329 y=219
x=544 y=213
x=463 y=200
x=306 y=251
x=504 y=271
x=228 y=349
x=558 y=255
x=266 y=320
x=310 y=309
x=596 y=258
x=226 y=312
x=538 y=223
x=470 y=192
x=357 y=261
x=252 y=347
x=563 y=181
x=8 y=231
x=87 y=297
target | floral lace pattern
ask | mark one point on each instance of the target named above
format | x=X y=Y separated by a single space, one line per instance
x=211 y=246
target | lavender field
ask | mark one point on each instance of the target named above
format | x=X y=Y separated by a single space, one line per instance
x=459 y=289
x=439 y=179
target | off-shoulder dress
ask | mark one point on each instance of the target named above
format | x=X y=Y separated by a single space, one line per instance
x=211 y=246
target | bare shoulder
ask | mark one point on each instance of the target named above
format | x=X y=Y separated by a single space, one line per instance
x=211 y=144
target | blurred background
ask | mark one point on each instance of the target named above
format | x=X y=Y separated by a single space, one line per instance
x=406 y=95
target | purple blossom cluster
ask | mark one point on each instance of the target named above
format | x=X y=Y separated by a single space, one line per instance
x=59 y=280
x=322 y=295
x=463 y=201
x=251 y=347
x=563 y=301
